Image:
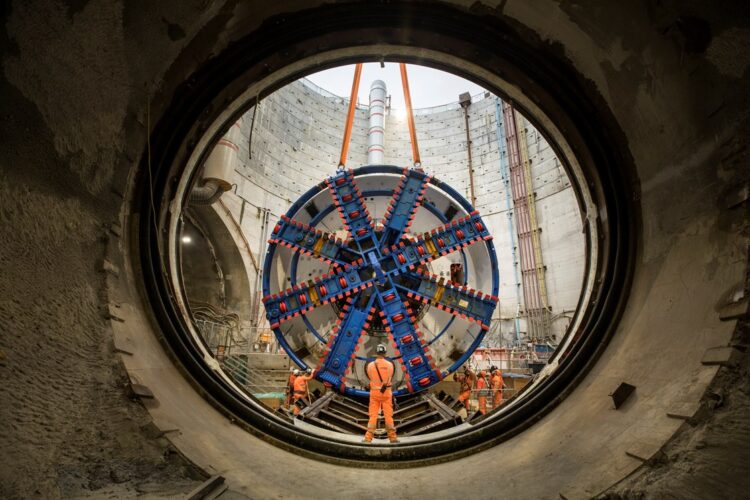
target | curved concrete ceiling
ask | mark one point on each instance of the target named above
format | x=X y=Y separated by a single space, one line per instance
x=81 y=93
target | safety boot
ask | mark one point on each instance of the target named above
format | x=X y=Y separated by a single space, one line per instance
x=392 y=434
x=369 y=435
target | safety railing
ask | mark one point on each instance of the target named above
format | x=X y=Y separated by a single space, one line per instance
x=260 y=382
x=523 y=360
x=220 y=337
x=508 y=392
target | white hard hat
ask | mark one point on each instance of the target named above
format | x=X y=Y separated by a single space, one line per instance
x=296 y=371
x=380 y=349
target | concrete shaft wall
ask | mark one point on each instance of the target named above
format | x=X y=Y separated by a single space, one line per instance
x=83 y=84
x=296 y=142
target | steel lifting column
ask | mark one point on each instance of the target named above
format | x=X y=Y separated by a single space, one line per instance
x=376 y=132
x=465 y=100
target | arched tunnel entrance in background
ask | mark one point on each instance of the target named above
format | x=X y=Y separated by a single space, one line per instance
x=670 y=232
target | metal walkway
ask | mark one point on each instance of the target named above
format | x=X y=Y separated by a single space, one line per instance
x=414 y=414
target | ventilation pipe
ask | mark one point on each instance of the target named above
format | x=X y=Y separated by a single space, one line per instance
x=375 y=134
x=219 y=169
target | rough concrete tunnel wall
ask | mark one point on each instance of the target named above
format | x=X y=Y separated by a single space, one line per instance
x=81 y=91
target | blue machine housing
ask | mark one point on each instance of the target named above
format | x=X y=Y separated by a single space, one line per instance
x=385 y=265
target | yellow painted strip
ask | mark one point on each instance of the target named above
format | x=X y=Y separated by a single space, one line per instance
x=318 y=246
x=313 y=292
x=431 y=246
x=439 y=293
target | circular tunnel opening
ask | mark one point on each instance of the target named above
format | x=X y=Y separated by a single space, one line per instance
x=292 y=237
x=181 y=148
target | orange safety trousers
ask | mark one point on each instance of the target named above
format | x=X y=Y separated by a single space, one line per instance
x=289 y=391
x=300 y=390
x=297 y=397
x=482 y=395
x=381 y=401
x=497 y=399
x=464 y=398
x=482 y=404
x=496 y=382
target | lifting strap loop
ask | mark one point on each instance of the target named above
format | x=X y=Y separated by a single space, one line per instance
x=353 y=106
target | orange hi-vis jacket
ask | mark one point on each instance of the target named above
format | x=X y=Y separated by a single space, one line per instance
x=380 y=373
x=481 y=384
x=496 y=382
x=465 y=384
x=300 y=384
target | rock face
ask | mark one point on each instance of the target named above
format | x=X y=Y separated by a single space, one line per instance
x=710 y=447
x=68 y=426
x=83 y=82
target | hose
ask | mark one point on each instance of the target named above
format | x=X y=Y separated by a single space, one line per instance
x=206 y=194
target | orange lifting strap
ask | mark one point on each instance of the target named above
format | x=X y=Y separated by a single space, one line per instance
x=353 y=106
x=350 y=116
x=410 y=117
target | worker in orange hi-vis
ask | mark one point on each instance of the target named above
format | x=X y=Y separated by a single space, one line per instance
x=290 y=387
x=467 y=384
x=300 y=388
x=482 y=392
x=380 y=373
x=497 y=384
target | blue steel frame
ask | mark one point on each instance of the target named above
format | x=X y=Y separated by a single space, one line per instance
x=377 y=266
x=322 y=214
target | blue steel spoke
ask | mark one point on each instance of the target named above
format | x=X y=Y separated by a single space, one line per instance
x=303 y=298
x=458 y=300
x=307 y=240
x=379 y=272
x=407 y=197
x=419 y=368
x=351 y=207
x=354 y=320
x=441 y=241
